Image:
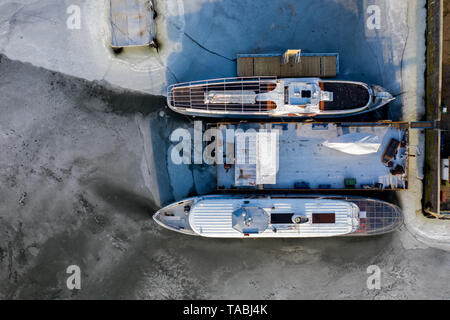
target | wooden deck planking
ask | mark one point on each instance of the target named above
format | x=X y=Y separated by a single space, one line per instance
x=245 y=66
x=309 y=66
x=329 y=66
x=266 y=66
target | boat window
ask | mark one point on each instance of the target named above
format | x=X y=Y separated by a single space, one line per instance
x=323 y=218
x=306 y=94
x=286 y=95
x=277 y=218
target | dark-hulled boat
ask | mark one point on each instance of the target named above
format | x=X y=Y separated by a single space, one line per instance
x=279 y=216
x=260 y=97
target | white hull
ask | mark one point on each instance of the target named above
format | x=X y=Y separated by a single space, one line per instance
x=215 y=216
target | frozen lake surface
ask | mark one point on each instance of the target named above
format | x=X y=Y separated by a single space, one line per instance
x=85 y=161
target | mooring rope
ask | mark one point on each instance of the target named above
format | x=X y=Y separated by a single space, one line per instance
x=437 y=215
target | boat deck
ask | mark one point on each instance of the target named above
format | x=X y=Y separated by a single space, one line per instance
x=305 y=164
x=191 y=95
x=376 y=217
x=213 y=217
x=345 y=97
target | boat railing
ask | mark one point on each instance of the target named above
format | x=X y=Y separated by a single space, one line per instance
x=189 y=96
x=222 y=80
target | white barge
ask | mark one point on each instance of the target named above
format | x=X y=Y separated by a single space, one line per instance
x=279 y=216
x=312 y=156
x=262 y=97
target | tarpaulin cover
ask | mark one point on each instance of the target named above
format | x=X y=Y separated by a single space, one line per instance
x=355 y=143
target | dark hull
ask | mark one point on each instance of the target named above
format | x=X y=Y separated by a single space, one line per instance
x=349 y=98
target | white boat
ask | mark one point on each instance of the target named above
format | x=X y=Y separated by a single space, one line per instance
x=262 y=216
x=260 y=97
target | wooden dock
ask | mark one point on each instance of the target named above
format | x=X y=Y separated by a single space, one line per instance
x=131 y=23
x=432 y=181
x=288 y=65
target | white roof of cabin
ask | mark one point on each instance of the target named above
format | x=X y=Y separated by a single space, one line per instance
x=213 y=217
x=257 y=162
